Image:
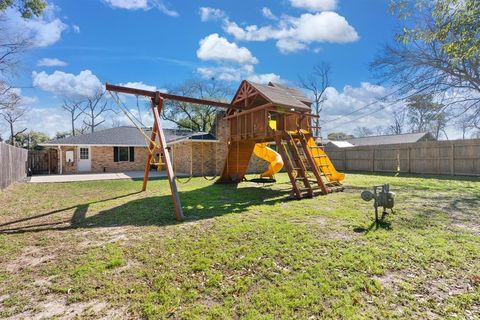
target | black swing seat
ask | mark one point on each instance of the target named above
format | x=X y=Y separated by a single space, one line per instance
x=262 y=180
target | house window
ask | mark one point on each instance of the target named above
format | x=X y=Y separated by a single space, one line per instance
x=123 y=154
x=83 y=153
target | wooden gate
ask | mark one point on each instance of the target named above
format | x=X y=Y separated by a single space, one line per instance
x=43 y=161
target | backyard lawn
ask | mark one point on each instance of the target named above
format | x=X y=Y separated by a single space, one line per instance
x=93 y=249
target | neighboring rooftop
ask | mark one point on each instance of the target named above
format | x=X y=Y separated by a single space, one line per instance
x=127 y=136
x=391 y=139
x=339 y=144
x=379 y=140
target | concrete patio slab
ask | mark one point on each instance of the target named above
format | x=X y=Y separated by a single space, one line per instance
x=94 y=176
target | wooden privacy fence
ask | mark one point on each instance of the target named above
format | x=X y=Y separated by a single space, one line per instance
x=456 y=157
x=13 y=164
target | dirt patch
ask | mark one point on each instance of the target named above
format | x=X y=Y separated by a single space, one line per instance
x=56 y=307
x=97 y=238
x=389 y=281
x=30 y=256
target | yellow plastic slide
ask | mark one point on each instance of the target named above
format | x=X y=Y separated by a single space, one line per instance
x=324 y=163
x=275 y=160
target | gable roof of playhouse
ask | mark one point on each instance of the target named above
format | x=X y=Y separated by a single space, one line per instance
x=276 y=94
x=127 y=136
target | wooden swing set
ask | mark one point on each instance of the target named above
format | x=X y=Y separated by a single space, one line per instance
x=157 y=99
x=257 y=114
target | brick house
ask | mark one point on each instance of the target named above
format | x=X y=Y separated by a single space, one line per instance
x=123 y=149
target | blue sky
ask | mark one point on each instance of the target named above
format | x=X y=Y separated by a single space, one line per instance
x=154 y=44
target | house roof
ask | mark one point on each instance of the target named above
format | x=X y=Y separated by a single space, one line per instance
x=340 y=144
x=281 y=96
x=391 y=139
x=127 y=136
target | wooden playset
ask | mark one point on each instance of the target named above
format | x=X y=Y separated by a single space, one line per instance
x=258 y=115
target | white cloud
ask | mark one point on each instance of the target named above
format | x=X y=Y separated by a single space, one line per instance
x=141 y=5
x=372 y=111
x=67 y=84
x=163 y=8
x=236 y=74
x=210 y=14
x=44 y=30
x=265 y=78
x=267 y=13
x=76 y=28
x=51 y=62
x=128 y=4
x=139 y=85
x=293 y=34
x=216 y=48
x=314 y=5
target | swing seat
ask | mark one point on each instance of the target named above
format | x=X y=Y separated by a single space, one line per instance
x=262 y=180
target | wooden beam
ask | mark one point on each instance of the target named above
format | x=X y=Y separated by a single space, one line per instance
x=166 y=157
x=167 y=96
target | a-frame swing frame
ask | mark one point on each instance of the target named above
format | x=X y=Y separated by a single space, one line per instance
x=157 y=100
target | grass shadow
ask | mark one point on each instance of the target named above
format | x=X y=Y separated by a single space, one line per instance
x=203 y=203
x=375 y=225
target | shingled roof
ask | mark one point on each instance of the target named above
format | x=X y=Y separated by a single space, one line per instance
x=283 y=96
x=279 y=95
x=127 y=136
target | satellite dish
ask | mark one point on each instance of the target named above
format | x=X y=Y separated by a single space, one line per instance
x=367 y=195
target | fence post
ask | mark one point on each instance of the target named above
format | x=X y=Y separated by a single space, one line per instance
x=373 y=160
x=345 y=159
x=408 y=159
x=452 y=159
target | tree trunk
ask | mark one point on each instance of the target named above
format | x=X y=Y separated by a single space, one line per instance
x=11 y=134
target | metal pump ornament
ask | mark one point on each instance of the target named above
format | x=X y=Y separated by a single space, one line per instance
x=382 y=197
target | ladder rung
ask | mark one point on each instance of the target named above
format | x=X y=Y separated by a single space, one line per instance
x=320 y=156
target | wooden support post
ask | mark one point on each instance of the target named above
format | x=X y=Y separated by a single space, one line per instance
x=166 y=157
x=151 y=144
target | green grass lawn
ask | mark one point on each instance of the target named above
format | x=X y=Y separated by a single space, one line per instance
x=92 y=249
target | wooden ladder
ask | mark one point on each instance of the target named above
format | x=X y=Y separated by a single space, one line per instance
x=320 y=170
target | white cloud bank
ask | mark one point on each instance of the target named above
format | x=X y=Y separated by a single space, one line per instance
x=294 y=34
x=67 y=84
x=216 y=48
x=291 y=34
x=51 y=62
x=43 y=31
x=233 y=63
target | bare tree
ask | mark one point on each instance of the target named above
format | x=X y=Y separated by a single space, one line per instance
x=317 y=83
x=76 y=109
x=12 y=115
x=465 y=124
x=398 y=122
x=422 y=64
x=96 y=107
x=362 y=132
x=195 y=117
